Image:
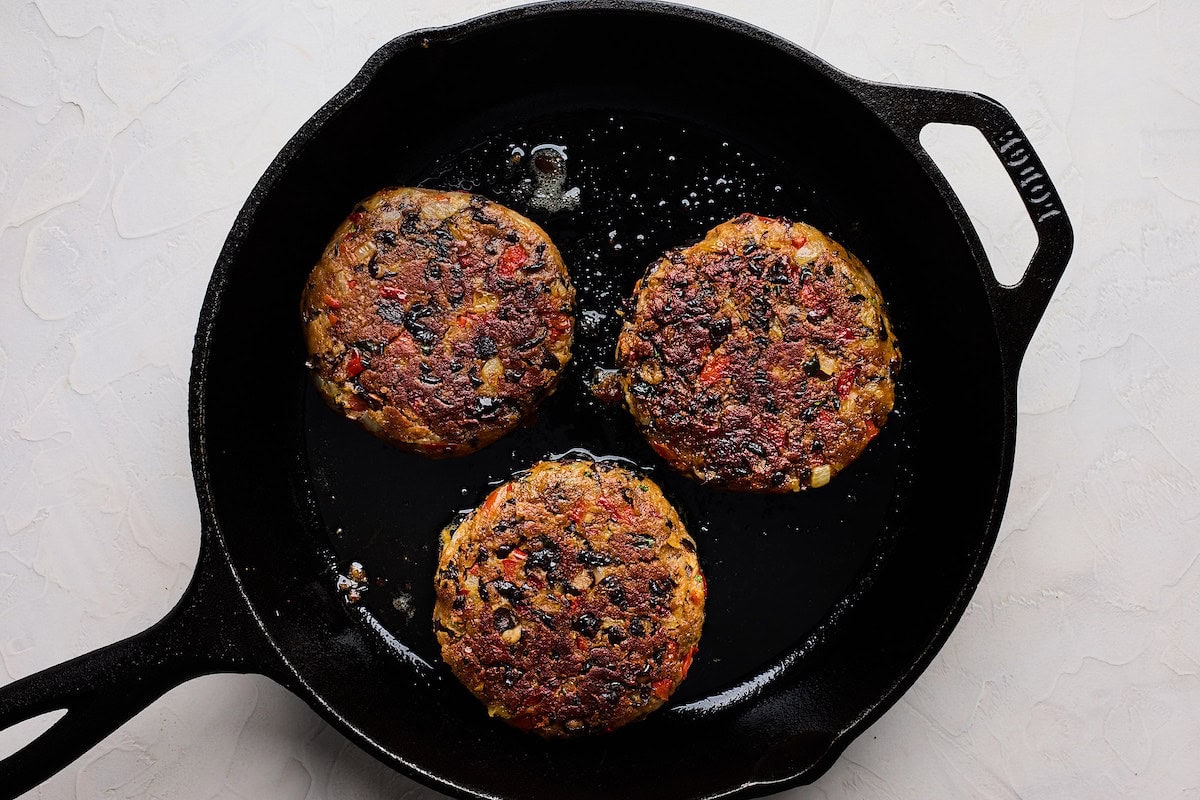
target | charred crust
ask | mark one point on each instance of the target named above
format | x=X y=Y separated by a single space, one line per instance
x=759 y=359
x=470 y=340
x=554 y=644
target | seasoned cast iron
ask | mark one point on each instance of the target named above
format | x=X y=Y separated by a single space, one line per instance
x=824 y=606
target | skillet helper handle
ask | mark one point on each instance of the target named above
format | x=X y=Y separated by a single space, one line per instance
x=210 y=630
x=1018 y=308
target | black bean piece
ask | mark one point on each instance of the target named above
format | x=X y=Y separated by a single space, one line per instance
x=485 y=346
x=459 y=603
x=586 y=624
x=615 y=634
x=504 y=550
x=546 y=558
x=387 y=238
x=592 y=558
x=512 y=675
x=430 y=380
x=719 y=330
x=509 y=591
x=778 y=274
x=417 y=329
x=390 y=311
x=374 y=271
x=485 y=408
x=758 y=314
x=424 y=337
x=503 y=619
x=616 y=594
x=661 y=588
x=637 y=627
x=369 y=346
x=449 y=573
x=443 y=242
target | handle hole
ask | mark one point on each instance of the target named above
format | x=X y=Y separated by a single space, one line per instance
x=15 y=737
x=987 y=193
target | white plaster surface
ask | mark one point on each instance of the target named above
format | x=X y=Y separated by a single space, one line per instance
x=131 y=132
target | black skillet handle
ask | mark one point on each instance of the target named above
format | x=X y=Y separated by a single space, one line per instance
x=1018 y=308
x=210 y=630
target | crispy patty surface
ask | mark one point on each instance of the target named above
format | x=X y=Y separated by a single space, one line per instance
x=571 y=600
x=759 y=359
x=437 y=320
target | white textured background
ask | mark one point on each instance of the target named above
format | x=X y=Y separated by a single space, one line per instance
x=130 y=134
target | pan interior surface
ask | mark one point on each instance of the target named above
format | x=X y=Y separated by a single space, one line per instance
x=613 y=189
x=819 y=602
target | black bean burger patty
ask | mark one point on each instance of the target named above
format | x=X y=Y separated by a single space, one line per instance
x=571 y=601
x=437 y=320
x=759 y=359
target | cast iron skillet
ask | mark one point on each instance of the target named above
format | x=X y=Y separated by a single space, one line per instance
x=824 y=607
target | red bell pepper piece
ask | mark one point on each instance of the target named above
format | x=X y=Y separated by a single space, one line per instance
x=511 y=260
x=354 y=364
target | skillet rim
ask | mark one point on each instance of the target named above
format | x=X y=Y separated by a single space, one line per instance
x=213 y=540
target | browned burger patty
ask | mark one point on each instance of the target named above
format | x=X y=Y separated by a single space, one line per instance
x=571 y=601
x=437 y=320
x=759 y=359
